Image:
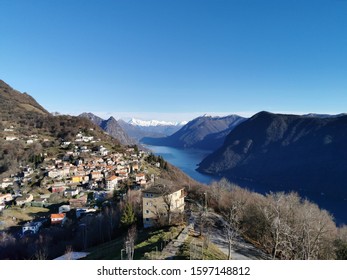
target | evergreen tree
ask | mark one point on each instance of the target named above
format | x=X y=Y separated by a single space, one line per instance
x=128 y=216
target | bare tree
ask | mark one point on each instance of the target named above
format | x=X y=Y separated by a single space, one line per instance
x=232 y=226
x=69 y=253
x=164 y=209
x=318 y=232
x=168 y=200
x=129 y=242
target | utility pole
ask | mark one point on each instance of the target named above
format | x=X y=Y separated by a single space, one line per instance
x=205 y=193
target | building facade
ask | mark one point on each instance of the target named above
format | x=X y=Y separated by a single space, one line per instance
x=159 y=202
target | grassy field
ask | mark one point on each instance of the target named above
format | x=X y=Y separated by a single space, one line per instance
x=147 y=241
x=197 y=248
x=15 y=215
x=151 y=242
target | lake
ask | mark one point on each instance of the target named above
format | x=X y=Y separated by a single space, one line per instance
x=188 y=159
x=184 y=159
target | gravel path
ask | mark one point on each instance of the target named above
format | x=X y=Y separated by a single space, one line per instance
x=242 y=250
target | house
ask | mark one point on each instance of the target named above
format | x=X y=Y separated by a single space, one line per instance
x=58 y=219
x=27 y=171
x=27 y=198
x=156 y=200
x=7 y=182
x=58 y=189
x=77 y=179
x=9 y=129
x=10 y=138
x=96 y=175
x=111 y=182
x=58 y=173
x=71 y=192
x=87 y=138
x=31 y=227
x=64 y=208
x=103 y=151
x=139 y=177
x=143 y=183
x=39 y=202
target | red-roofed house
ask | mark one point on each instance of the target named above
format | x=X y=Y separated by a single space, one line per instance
x=58 y=219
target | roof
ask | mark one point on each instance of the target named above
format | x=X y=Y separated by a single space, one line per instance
x=58 y=216
x=31 y=224
x=112 y=178
x=161 y=189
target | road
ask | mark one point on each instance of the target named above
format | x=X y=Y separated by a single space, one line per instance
x=242 y=250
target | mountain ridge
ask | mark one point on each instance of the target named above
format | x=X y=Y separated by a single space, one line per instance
x=139 y=122
x=204 y=132
x=284 y=150
x=16 y=99
x=138 y=132
x=112 y=127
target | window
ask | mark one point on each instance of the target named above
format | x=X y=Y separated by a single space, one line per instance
x=147 y=211
x=147 y=219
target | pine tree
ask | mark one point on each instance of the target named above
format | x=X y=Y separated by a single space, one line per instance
x=128 y=216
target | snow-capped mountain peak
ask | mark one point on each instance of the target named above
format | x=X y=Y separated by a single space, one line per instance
x=139 y=122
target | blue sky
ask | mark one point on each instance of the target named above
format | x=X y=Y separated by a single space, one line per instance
x=176 y=59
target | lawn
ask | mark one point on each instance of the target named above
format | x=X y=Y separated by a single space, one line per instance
x=148 y=240
x=197 y=248
x=14 y=215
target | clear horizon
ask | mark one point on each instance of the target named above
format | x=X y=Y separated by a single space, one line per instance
x=177 y=60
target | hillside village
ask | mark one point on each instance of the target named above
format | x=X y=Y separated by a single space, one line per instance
x=87 y=176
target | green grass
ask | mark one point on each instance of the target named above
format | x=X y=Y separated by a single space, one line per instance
x=147 y=241
x=23 y=214
x=211 y=252
x=14 y=215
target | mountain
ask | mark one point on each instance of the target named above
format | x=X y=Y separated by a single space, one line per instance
x=204 y=132
x=112 y=127
x=17 y=102
x=313 y=115
x=138 y=122
x=286 y=152
x=139 y=129
x=27 y=130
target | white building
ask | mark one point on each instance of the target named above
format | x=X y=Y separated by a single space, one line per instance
x=33 y=227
